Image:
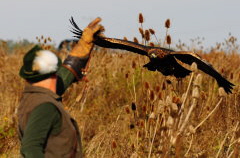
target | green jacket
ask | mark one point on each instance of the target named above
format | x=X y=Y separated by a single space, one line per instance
x=43 y=125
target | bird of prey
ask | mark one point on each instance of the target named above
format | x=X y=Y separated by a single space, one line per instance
x=161 y=59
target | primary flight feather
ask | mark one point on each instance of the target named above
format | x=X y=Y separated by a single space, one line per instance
x=161 y=59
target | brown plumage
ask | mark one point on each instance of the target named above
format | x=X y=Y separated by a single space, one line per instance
x=161 y=59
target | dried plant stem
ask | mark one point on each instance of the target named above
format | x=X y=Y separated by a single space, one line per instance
x=100 y=143
x=137 y=138
x=113 y=125
x=184 y=100
x=104 y=153
x=155 y=131
x=134 y=90
x=84 y=100
x=130 y=90
x=143 y=39
x=80 y=98
x=188 y=116
x=165 y=41
x=232 y=141
x=221 y=146
x=230 y=155
x=208 y=114
x=188 y=89
x=229 y=147
x=157 y=39
x=190 y=145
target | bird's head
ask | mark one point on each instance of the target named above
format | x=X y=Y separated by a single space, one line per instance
x=156 y=53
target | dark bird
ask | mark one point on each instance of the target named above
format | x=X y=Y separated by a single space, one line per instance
x=161 y=59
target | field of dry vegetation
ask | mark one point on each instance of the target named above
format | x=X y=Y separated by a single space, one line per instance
x=124 y=110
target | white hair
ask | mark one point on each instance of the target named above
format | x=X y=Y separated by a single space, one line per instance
x=45 y=62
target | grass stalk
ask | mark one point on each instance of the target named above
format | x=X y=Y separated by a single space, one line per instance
x=208 y=114
x=155 y=131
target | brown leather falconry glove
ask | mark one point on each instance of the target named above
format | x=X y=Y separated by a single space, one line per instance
x=85 y=44
x=77 y=60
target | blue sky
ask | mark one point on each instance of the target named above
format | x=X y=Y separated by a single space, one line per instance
x=211 y=19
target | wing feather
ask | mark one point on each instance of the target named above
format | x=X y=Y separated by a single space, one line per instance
x=111 y=42
x=190 y=57
x=121 y=44
x=75 y=30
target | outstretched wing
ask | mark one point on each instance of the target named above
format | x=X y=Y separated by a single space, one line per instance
x=111 y=42
x=190 y=57
x=121 y=44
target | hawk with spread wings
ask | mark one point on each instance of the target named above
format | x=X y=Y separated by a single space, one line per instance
x=161 y=59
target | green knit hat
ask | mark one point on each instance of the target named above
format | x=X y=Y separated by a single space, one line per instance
x=39 y=64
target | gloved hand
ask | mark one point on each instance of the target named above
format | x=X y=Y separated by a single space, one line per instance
x=78 y=58
x=85 y=44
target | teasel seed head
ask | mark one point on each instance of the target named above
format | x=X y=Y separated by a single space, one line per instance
x=134 y=107
x=140 y=18
x=198 y=80
x=127 y=110
x=127 y=75
x=169 y=100
x=135 y=40
x=142 y=123
x=42 y=37
x=147 y=35
x=151 y=44
x=170 y=122
x=169 y=40
x=191 y=129
x=45 y=41
x=152 y=95
x=195 y=93
x=144 y=108
x=134 y=65
x=157 y=88
x=222 y=71
x=48 y=47
x=141 y=32
x=152 y=31
x=222 y=92
x=49 y=39
x=174 y=110
x=194 y=67
x=125 y=38
x=160 y=95
x=167 y=23
x=114 y=144
x=146 y=85
x=163 y=86
x=174 y=99
x=133 y=146
x=231 y=76
x=203 y=95
x=177 y=101
x=131 y=126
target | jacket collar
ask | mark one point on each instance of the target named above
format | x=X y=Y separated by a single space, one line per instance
x=35 y=89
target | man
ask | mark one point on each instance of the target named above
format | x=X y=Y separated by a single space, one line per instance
x=45 y=128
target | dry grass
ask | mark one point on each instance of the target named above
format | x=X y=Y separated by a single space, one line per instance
x=126 y=111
